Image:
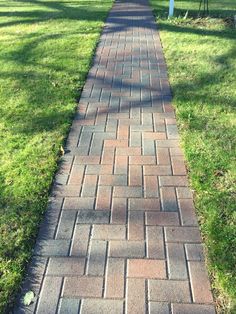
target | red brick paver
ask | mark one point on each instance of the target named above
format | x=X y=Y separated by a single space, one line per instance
x=120 y=234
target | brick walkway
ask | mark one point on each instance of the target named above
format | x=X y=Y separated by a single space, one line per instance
x=120 y=234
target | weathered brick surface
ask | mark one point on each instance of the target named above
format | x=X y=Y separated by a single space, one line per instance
x=155 y=242
x=69 y=306
x=163 y=156
x=135 y=296
x=99 y=169
x=181 y=234
x=71 y=203
x=158 y=307
x=82 y=287
x=173 y=180
x=118 y=210
x=97 y=258
x=184 y=193
x=159 y=170
x=162 y=219
x=129 y=151
x=126 y=249
x=169 y=291
x=91 y=306
x=66 y=224
x=109 y=232
x=87 y=160
x=51 y=287
x=76 y=175
x=187 y=212
x=93 y=217
x=150 y=204
x=66 y=190
x=142 y=160
x=80 y=240
x=128 y=191
x=151 y=188
x=194 y=252
x=65 y=266
x=145 y=268
x=120 y=234
x=135 y=175
x=113 y=180
x=121 y=165
x=52 y=248
x=177 y=266
x=108 y=156
x=103 y=198
x=168 y=199
x=193 y=309
x=199 y=282
x=115 y=277
x=89 y=186
x=135 y=225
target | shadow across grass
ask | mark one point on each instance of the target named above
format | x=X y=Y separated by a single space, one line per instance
x=200 y=55
x=46 y=52
x=53 y=10
x=217 y=8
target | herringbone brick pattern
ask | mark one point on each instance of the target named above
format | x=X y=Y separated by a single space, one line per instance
x=120 y=234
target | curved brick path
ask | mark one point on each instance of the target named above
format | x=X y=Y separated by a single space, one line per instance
x=120 y=234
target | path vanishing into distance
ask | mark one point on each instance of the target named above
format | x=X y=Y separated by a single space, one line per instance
x=120 y=234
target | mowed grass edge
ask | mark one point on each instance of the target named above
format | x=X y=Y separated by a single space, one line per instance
x=201 y=60
x=46 y=48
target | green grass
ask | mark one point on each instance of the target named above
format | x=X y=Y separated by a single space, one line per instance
x=201 y=59
x=45 y=52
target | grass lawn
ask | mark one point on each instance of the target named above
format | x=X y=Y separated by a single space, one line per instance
x=201 y=59
x=45 y=52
